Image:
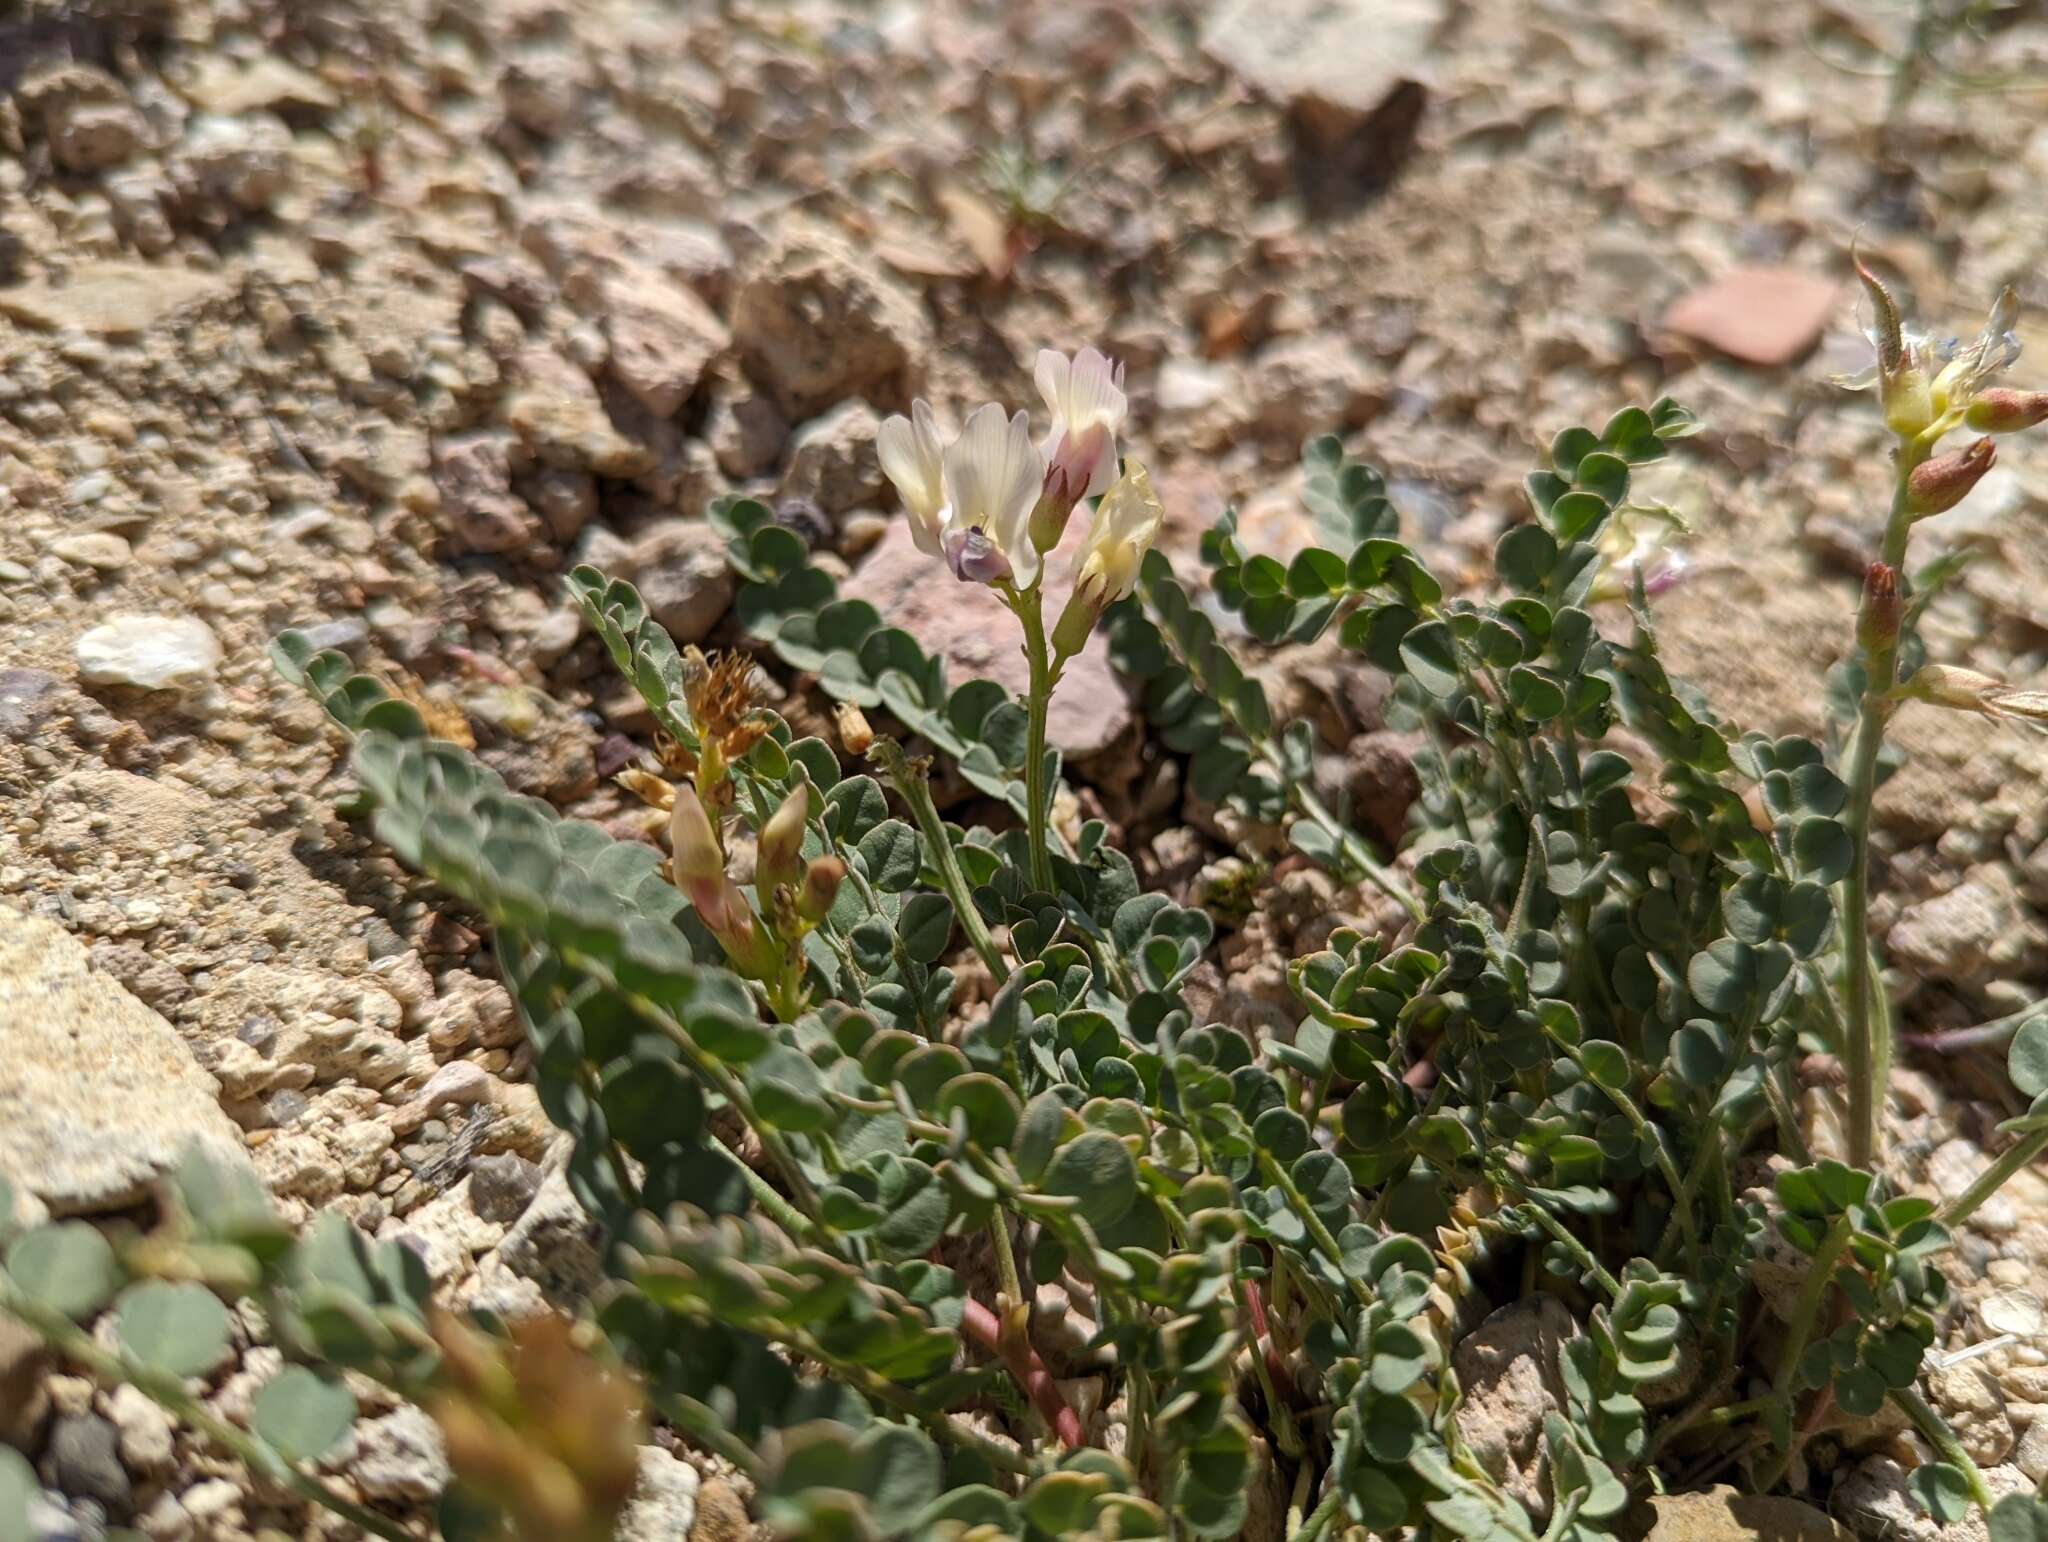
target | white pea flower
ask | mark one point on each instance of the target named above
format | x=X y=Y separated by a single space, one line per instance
x=1126 y=524
x=913 y=460
x=1086 y=399
x=992 y=477
x=1640 y=538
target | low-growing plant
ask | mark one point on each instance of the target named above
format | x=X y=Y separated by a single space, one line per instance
x=870 y=1229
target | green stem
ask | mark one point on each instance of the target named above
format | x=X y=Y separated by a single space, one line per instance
x=111 y=1368
x=770 y=1199
x=910 y=785
x=714 y=1072
x=1644 y=1131
x=1819 y=1276
x=1006 y=1258
x=1044 y=677
x=1320 y=1517
x=1579 y=1251
x=1301 y=796
x=1993 y=1178
x=1943 y=1439
x=1702 y=1417
x=1353 y=850
x=942 y=1425
x=1867 y=1062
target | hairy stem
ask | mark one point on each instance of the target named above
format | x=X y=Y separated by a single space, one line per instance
x=1867 y=1061
x=1819 y=1276
x=910 y=785
x=1581 y=1254
x=1319 y=1233
x=111 y=1368
x=1006 y=1258
x=1319 y=1518
x=1044 y=677
x=1943 y=1439
x=715 y=1073
x=1993 y=1178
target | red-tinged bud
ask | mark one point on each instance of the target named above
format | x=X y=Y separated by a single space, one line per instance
x=2002 y=410
x=1877 y=624
x=778 y=856
x=821 y=887
x=1942 y=483
x=1055 y=505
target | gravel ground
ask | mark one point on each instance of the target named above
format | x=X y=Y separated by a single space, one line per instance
x=371 y=318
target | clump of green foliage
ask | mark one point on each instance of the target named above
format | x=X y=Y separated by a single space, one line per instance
x=833 y=1202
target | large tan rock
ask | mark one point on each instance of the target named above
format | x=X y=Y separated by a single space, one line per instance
x=99 y=1096
x=817 y=322
x=1724 y=1515
x=111 y=298
x=1511 y=1369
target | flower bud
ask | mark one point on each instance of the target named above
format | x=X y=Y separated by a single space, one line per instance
x=1877 y=623
x=821 y=887
x=1967 y=690
x=855 y=733
x=1902 y=385
x=1083 y=609
x=692 y=841
x=778 y=855
x=1940 y=484
x=1054 y=507
x=2002 y=410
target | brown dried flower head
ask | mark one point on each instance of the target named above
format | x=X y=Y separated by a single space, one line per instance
x=537 y=1425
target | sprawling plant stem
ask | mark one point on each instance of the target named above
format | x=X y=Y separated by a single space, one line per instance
x=1993 y=1178
x=1943 y=1439
x=1319 y=1518
x=111 y=1368
x=1868 y=1053
x=1819 y=1276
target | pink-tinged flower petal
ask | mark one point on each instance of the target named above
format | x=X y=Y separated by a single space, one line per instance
x=993 y=478
x=975 y=559
x=1086 y=399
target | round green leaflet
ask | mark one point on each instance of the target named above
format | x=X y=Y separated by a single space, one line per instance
x=175 y=1326
x=68 y=1266
x=302 y=1413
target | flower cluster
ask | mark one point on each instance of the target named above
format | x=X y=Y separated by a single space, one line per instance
x=1927 y=390
x=992 y=503
x=1930 y=387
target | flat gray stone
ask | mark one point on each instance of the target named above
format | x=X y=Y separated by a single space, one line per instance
x=99 y=1096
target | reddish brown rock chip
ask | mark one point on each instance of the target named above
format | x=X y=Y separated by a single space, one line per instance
x=1767 y=316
